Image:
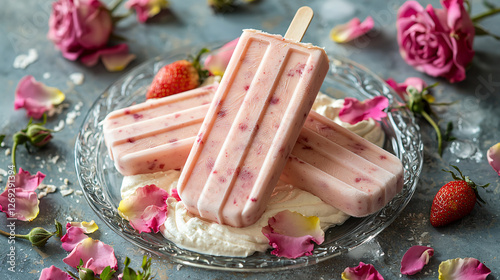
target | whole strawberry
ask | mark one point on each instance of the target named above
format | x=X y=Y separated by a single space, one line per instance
x=176 y=77
x=454 y=200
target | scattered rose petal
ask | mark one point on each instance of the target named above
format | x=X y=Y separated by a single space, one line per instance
x=355 y=111
x=493 y=156
x=76 y=233
x=26 y=199
x=114 y=58
x=146 y=8
x=351 y=30
x=87 y=227
x=54 y=273
x=400 y=88
x=73 y=237
x=175 y=194
x=415 y=259
x=36 y=97
x=463 y=269
x=145 y=209
x=95 y=256
x=361 y=272
x=292 y=235
x=217 y=62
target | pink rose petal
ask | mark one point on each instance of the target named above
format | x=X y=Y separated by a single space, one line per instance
x=87 y=227
x=73 y=237
x=146 y=8
x=114 y=58
x=292 y=234
x=54 y=273
x=26 y=181
x=217 y=62
x=95 y=256
x=463 y=269
x=361 y=272
x=36 y=97
x=175 y=194
x=400 y=88
x=23 y=186
x=355 y=111
x=146 y=209
x=351 y=30
x=76 y=233
x=415 y=259
x=493 y=156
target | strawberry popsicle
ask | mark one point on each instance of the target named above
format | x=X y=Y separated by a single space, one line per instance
x=343 y=169
x=252 y=124
x=152 y=136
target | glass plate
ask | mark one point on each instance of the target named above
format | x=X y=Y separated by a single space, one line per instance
x=101 y=182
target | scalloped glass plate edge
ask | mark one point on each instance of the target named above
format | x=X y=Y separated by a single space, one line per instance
x=403 y=138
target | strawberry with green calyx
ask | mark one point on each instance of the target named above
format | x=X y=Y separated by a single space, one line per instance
x=179 y=76
x=454 y=200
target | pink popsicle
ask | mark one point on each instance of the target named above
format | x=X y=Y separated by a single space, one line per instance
x=254 y=120
x=151 y=136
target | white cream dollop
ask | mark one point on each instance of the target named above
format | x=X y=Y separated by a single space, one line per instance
x=330 y=108
x=193 y=233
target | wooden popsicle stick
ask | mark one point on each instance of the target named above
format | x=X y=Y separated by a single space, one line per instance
x=299 y=24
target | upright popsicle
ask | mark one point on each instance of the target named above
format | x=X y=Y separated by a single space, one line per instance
x=252 y=124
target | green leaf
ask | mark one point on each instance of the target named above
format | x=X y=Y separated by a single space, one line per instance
x=488 y=5
x=72 y=274
x=2 y=136
x=202 y=73
x=480 y=31
x=128 y=273
x=447 y=134
x=146 y=268
x=107 y=273
x=59 y=229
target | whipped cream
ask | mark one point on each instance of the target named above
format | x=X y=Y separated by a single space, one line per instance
x=193 y=233
x=370 y=129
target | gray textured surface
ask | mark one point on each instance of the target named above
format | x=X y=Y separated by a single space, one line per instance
x=23 y=25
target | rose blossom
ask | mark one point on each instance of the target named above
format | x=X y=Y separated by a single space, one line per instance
x=437 y=42
x=77 y=26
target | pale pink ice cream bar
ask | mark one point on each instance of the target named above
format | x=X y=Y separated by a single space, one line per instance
x=151 y=136
x=303 y=168
x=251 y=126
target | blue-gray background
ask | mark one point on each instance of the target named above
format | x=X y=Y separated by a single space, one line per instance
x=24 y=25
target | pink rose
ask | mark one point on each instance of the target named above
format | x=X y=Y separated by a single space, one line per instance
x=437 y=42
x=78 y=27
